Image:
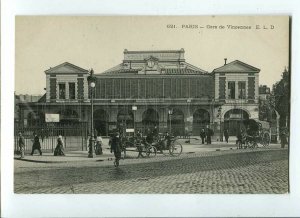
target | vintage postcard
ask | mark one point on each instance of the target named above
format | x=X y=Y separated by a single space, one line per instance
x=152 y=105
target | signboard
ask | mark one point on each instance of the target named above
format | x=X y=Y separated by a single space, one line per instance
x=52 y=118
x=235 y=116
x=129 y=130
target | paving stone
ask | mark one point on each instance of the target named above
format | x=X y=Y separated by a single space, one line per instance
x=232 y=172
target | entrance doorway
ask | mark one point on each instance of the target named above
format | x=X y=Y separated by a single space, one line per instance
x=201 y=119
x=150 y=119
x=101 y=122
x=125 y=120
x=176 y=122
x=233 y=120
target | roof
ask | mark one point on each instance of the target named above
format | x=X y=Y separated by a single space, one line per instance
x=167 y=71
x=183 y=71
x=236 y=67
x=42 y=99
x=120 y=71
x=66 y=67
x=155 y=51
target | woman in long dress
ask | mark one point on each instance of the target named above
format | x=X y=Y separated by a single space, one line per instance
x=59 y=150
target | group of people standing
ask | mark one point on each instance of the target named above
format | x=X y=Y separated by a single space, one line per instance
x=206 y=134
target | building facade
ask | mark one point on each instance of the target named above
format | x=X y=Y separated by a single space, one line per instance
x=148 y=89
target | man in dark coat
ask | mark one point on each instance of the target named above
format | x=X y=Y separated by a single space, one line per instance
x=226 y=135
x=202 y=135
x=208 y=135
x=36 y=144
x=115 y=147
x=283 y=138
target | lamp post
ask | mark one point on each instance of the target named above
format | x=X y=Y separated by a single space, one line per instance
x=220 y=117
x=170 y=112
x=134 y=108
x=92 y=83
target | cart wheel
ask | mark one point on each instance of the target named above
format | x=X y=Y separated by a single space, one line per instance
x=266 y=139
x=141 y=151
x=175 y=148
x=151 y=151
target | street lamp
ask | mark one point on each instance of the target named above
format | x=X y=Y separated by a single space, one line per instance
x=220 y=117
x=170 y=112
x=134 y=108
x=92 y=82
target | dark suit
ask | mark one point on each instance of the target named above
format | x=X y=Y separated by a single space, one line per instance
x=36 y=145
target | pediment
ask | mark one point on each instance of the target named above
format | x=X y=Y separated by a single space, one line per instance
x=66 y=68
x=236 y=66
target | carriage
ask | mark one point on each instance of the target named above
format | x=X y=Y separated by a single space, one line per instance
x=149 y=148
x=254 y=133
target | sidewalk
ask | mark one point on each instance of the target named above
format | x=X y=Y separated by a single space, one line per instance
x=194 y=146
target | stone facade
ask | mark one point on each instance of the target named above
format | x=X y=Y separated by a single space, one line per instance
x=153 y=88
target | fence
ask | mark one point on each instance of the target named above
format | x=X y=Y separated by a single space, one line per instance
x=75 y=136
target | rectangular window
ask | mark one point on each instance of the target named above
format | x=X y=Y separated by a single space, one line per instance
x=71 y=90
x=242 y=90
x=167 y=88
x=231 y=90
x=62 y=90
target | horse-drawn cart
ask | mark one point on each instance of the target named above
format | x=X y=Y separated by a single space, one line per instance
x=145 y=148
x=254 y=133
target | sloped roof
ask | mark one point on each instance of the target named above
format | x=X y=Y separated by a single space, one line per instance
x=183 y=71
x=120 y=71
x=236 y=67
x=66 y=67
x=168 y=71
x=42 y=99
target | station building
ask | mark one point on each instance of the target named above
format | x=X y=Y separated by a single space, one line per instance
x=147 y=89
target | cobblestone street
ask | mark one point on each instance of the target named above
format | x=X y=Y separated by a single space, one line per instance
x=231 y=171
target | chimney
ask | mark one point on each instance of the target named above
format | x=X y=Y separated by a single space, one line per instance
x=225 y=59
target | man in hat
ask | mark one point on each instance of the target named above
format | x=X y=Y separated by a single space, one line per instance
x=36 y=144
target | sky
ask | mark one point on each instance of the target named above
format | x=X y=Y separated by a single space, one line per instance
x=98 y=42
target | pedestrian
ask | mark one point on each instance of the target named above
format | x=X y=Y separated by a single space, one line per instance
x=155 y=132
x=202 y=135
x=149 y=137
x=283 y=138
x=99 y=143
x=115 y=147
x=167 y=141
x=226 y=135
x=239 y=139
x=208 y=135
x=21 y=144
x=36 y=144
x=139 y=137
x=59 y=150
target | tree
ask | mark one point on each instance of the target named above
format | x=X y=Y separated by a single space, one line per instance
x=281 y=95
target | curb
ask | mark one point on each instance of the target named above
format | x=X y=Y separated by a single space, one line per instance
x=50 y=161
